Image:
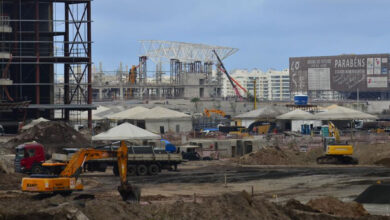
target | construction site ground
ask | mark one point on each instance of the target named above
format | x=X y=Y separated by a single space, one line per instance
x=276 y=183
x=197 y=180
x=188 y=192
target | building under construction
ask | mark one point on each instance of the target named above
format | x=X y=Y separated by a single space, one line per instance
x=43 y=42
x=182 y=70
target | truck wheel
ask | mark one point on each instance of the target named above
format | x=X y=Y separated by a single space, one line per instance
x=36 y=169
x=142 y=170
x=153 y=169
x=131 y=170
x=115 y=170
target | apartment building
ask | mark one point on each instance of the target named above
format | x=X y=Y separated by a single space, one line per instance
x=270 y=85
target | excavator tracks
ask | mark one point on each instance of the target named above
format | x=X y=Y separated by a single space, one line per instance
x=336 y=159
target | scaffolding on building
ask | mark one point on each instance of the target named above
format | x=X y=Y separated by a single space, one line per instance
x=190 y=72
x=49 y=44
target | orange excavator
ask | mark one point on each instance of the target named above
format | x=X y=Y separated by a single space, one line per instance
x=208 y=112
x=67 y=180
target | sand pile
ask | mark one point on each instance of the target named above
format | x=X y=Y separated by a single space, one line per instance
x=227 y=206
x=54 y=135
x=378 y=154
x=333 y=206
x=278 y=156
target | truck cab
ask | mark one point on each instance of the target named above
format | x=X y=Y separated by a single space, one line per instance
x=29 y=158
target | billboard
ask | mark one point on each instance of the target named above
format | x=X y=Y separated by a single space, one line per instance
x=340 y=73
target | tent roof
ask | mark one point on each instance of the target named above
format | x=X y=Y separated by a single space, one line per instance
x=331 y=107
x=84 y=114
x=128 y=113
x=343 y=113
x=297 y=114
x=160 y=113
x=125 y=131
x=268 y=112
x=34 y=122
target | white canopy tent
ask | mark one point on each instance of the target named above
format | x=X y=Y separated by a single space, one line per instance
x=125 y=131
x=128 y=114
x=343 y=113
x=160 y=113
x=298 y=118
x=34 y=122
x=267 y=113
x=84 y=114
x=296 y=114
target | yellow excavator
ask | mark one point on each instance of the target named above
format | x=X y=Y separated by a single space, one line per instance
x=68 y=181
x=336 y=152
x=208 y=112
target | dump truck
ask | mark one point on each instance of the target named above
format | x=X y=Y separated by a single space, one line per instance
x=142 y=160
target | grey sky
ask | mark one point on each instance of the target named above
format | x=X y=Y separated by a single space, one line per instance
x=267 y=32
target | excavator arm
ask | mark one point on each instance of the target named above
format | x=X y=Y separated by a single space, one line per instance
x=333 y=131
x=216 y=111
x=66 y=182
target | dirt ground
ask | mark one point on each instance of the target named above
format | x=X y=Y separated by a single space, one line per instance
x=272 y=184
x=198 y=190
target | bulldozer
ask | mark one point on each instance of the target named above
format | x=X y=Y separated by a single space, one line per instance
x=336 y=152
x=68 y=180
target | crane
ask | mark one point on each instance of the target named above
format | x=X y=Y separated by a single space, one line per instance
x=231 y=80
x=67 y=180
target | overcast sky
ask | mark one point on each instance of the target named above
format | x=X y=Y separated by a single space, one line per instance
x=266 y=32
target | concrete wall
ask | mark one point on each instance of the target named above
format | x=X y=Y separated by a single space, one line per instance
x=196 y=86
x=231 y=147
x=185 y=125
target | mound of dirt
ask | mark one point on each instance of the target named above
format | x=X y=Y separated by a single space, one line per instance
x=277 y=156
x=378 y=154
x=10 y=181
x=377 y=193
x=295 y=204
x=54 y=135
x=227 y=206
x=333 y=206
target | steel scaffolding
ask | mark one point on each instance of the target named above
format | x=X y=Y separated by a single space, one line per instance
x=50 y=45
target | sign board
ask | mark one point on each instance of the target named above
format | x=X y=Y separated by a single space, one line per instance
x=340 y=73
x=376 y=82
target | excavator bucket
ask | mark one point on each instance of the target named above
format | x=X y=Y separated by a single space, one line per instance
x=129 y=192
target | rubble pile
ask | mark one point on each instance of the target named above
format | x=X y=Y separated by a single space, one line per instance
x=333 y=206
x=278 y=156
x=54 y=135
x=227 y=206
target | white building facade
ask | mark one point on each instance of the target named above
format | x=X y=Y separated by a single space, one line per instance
x=270 y=85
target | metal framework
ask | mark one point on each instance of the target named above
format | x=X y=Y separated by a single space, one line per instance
x=42 y=42
x=164 y=51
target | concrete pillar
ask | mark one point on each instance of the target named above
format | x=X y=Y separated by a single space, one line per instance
x=121 y=92
x=100 y=94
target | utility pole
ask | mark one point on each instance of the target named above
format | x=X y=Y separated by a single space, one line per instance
x=357 y=96
x=254 y=94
